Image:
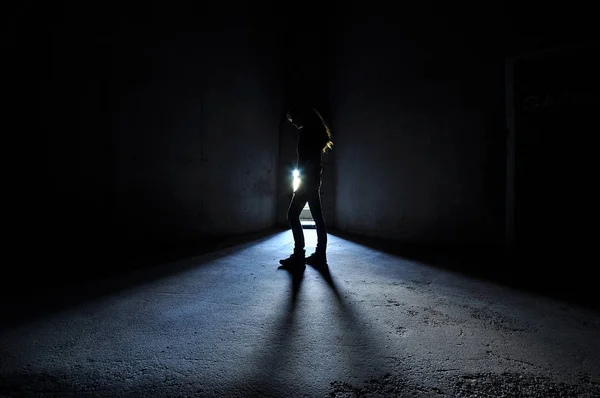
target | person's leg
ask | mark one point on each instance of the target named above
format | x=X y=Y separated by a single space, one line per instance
x=314 y=202
x=296 y=205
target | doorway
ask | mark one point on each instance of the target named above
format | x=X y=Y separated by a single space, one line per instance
x=306 y=218
x=551 y=108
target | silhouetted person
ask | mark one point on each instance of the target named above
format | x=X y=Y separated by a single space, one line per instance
x=314 y=139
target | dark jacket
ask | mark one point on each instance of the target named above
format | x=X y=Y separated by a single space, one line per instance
x=310 y=156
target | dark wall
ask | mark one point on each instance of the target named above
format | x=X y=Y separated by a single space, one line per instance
x=535 y=26
x=418 y=105
x=418 y=110
x=552 y=88
x=153 y=126
x=556 y=97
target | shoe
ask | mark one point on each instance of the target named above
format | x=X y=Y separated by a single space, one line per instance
x=295 y=260
x=317 y=259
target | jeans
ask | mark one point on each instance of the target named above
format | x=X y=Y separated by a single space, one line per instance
x=311 y=193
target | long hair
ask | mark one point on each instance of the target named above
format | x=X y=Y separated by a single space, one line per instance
x=312 y=121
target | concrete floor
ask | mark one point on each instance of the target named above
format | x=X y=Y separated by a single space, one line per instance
x=230 y=323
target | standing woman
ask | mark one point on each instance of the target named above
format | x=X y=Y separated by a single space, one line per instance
x=314 y=139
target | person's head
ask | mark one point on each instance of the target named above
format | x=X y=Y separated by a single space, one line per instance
x=309 y=121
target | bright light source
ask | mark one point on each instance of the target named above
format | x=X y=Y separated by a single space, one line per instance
x=296 y=183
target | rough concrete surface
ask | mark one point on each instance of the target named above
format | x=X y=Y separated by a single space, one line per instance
x=230 y=323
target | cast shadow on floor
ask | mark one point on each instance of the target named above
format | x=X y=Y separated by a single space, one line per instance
x=53 y=284
x=559 y=273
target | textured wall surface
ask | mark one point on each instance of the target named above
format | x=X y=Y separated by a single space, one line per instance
x=209 y=162
x=420 y=139
x=155 y=127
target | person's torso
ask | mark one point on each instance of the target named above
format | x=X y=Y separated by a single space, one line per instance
x=309 y=159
